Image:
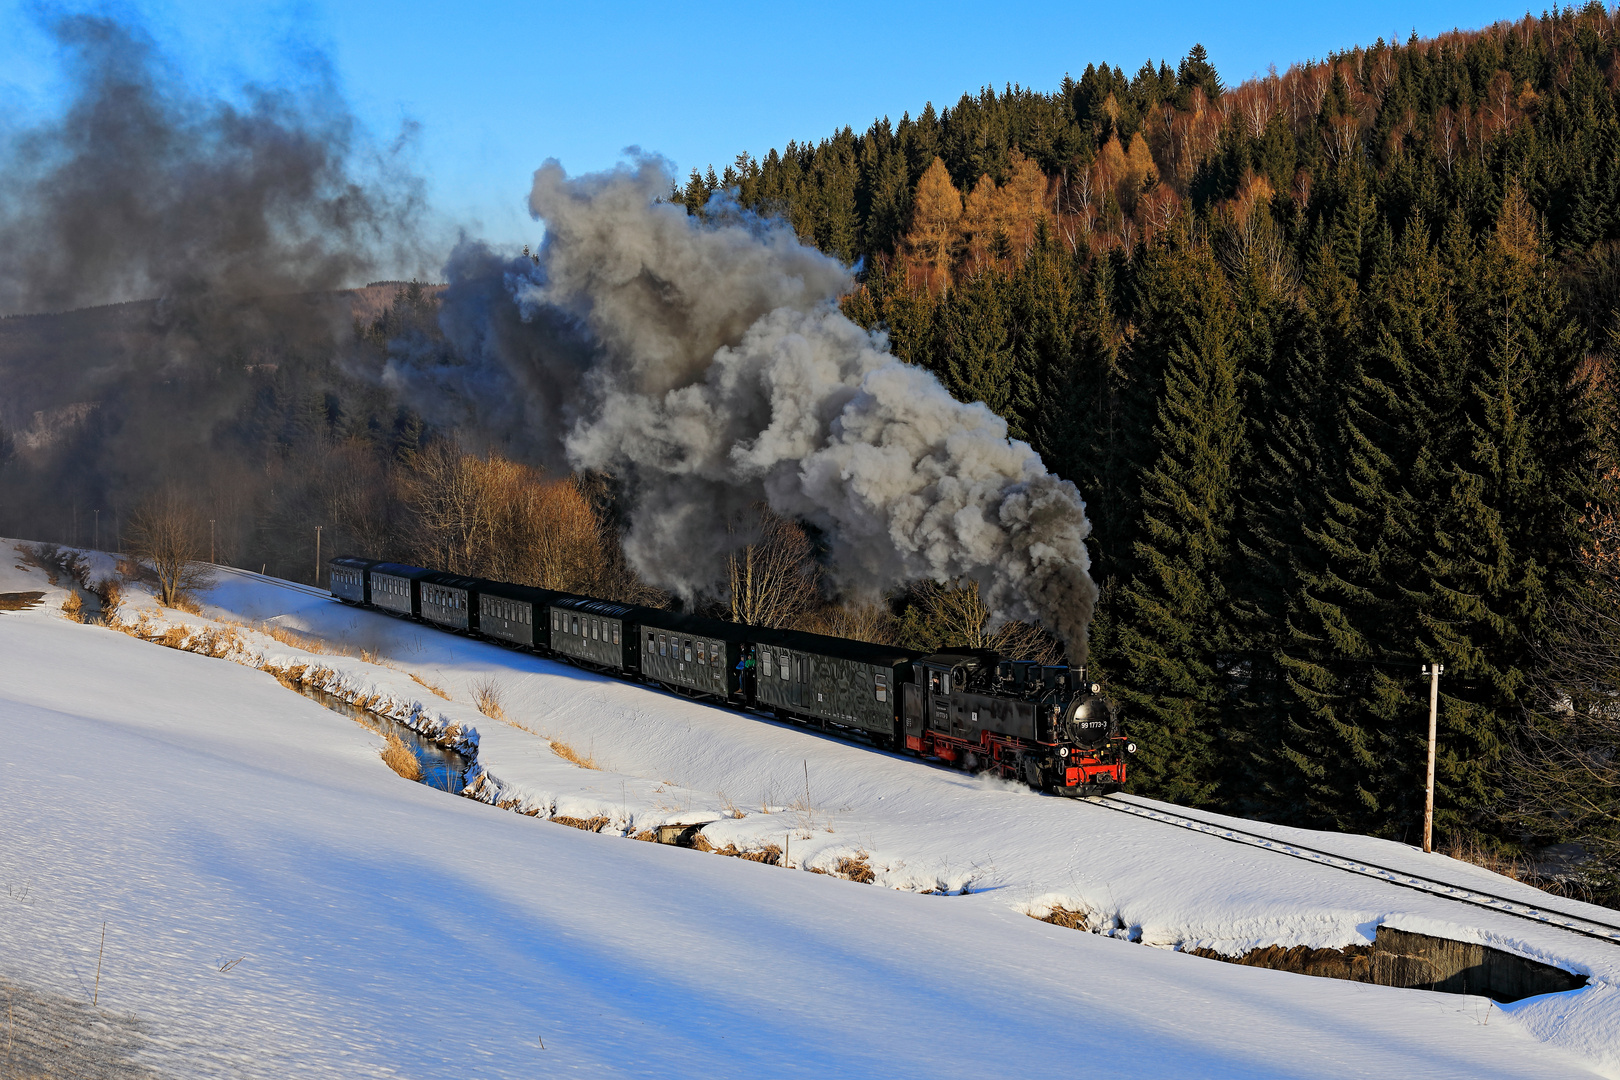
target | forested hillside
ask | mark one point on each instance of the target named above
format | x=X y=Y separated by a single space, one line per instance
x=1328 y=353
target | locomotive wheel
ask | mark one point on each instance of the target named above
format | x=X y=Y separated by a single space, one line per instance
x=1032 y=772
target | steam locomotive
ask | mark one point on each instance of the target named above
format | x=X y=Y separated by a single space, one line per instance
x=1044 y=725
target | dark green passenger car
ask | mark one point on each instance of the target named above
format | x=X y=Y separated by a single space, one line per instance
x=853 y=684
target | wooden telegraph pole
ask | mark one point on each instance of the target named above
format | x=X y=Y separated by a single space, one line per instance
x=1433 y=671
x=211 y=558
x=317 y=554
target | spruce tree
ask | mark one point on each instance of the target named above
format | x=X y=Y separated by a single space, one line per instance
x=1177 y=642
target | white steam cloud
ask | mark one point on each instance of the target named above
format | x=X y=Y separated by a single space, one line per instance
x=708 y=366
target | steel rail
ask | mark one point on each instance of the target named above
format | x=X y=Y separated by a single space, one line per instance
x=1576 y=924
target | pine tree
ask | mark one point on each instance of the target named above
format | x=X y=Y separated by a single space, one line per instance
x=1177 y=640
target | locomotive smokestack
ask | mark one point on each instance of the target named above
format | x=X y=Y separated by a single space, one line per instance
x=707 y=364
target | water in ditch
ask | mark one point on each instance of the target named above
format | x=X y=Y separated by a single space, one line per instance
x=442 y=768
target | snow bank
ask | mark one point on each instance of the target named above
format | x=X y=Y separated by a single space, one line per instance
x=907 y=826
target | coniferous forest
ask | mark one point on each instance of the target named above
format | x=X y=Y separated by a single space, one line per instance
x=1330 y=356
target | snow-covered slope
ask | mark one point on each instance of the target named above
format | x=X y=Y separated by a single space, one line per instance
x=207 y=813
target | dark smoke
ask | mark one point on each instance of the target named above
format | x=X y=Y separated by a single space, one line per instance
x=217 y=230
x=707 y=365
x=142 y=189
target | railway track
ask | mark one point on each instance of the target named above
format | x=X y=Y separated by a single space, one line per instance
x=1576 y=924
x=309 y=590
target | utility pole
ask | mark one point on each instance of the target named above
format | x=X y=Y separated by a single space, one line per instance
x=317 y=554
x=98 y=530
x=211 y=558
x=1433 y=671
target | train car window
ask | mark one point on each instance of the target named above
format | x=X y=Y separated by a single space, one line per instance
x=933 y=682
x=945 y=683
x=686 y=647
x=651 y=642
x=765 y=663
x=702 y=653
x=573 y=621
x=782 y=666
x=663 y=645
x=881 y=683
x=615 y=635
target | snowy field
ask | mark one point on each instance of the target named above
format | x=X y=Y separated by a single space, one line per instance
x=206 y=814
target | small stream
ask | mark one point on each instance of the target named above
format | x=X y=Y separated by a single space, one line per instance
x=442 y=768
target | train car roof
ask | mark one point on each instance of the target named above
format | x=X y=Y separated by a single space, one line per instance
x=355 y=561
x=610 y=608
x=864 y=652
x=952 y=657
x=697 y=625
x=394 y=569
x=532 y=594
x=451 y=581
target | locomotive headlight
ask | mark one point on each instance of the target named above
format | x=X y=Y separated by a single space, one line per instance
x=1096 y=688
x=1130 y=748
x=1063 y=751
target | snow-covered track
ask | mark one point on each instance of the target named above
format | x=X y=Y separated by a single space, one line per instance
x=266 y=580
x=1575 y=924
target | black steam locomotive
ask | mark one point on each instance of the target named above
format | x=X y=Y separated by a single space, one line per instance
x=1044 y=725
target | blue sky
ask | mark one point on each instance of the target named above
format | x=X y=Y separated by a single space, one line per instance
x=498 y=87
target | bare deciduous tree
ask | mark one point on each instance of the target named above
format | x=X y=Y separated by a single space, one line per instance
x=773 y=580
x=169 y=532
x=1567 y=763
x=954 y=615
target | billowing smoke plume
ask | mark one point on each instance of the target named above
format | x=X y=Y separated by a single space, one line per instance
x=707 y=364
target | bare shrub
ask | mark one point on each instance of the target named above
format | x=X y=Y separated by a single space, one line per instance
x=488 y=697
x=73 y=607
x=169 y=533
x=397 y=756
x=1566 y=773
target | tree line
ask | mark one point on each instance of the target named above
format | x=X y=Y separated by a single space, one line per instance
x=1330 y=355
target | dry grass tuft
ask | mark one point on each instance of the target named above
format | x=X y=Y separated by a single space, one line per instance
x=488 y=697
x=856 y=868
x=1468 y=850
x=568 y=753
x=730 y=808
x=20 y=601
x=73 y=607
x=293 y=638
x=439 y=690
x=595 y=824
x=397 y=756
x=771 y=854
x=1071 y=918
x=187 y=603
x=111 y=596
